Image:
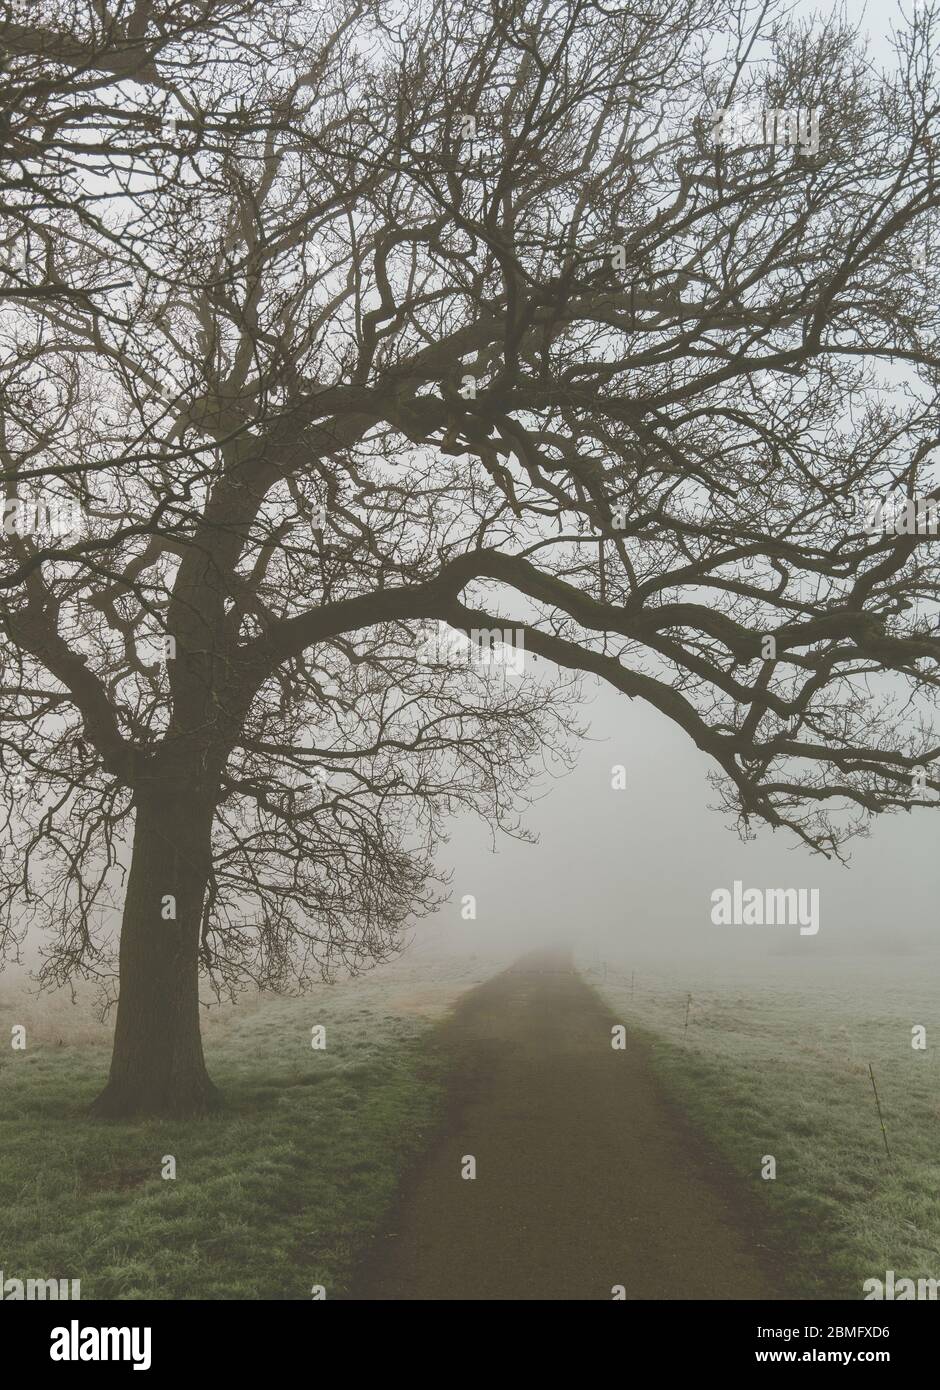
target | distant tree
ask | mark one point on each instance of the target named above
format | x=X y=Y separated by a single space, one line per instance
x=369 y=318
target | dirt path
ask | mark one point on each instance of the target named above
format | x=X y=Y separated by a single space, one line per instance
x=586 y=1178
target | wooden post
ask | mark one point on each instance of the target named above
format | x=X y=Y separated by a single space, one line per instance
x=884 y=1132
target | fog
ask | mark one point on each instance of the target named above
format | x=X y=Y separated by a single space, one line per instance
x=631 y=872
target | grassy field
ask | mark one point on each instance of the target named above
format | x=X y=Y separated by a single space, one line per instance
x=275 y=1196
x=286 y=1189
x=775 y=1061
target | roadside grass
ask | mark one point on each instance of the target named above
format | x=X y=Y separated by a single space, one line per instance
x=286 y=1189
x=775 y=1062
x=281 y=1192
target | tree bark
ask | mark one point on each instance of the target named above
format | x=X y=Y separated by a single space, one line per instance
x=157 y=1066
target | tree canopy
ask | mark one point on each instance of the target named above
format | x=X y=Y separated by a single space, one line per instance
x=336 y=322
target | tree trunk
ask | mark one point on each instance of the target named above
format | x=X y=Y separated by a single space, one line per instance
x=157 y=1067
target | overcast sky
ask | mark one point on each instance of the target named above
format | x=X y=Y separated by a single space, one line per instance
x=635 y=869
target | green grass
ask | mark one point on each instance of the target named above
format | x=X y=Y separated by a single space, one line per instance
x=287 y=1188
x=280 y=1193
x=775 y=1061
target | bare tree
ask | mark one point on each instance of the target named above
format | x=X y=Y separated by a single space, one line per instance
x=401 y=320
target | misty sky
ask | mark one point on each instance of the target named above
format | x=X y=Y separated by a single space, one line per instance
x=635 y=869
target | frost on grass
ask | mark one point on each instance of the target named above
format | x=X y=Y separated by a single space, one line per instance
x=775 y=1060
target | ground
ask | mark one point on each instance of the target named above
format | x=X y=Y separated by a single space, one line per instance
x=597 y=1167
x=775 y=1060
x=588 y=1185
x=275 y=1195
